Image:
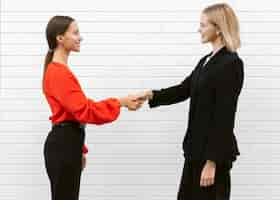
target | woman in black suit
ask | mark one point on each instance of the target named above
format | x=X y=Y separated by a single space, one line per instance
x=213 y=87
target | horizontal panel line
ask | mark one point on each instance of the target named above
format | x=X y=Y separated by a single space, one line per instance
x=158 y=32
x=103 y=134
x=137 y=21
x=110 y=88
x=111 y=21
x=101 y=55
x=101 y=66
x=45 y=111
x=169 y=159
x=47 y=186
x=141 y=133
x=133 y=184
x=131 y=11
x=125 y=88
x=123 y=77
x=101 y=11
x=108 y=32
x=142 y=44
x=135 y=132
x=169 y=120
x=262 y=102
x=118 y=143
x=268 y=186
x=125 y=155
x=139 y=143
x=136 y=174
x=165 y=155
x=119 y=164
x=133 y=76
x=135 y=55
x=129 y=44
x=176 y=134
x=144 y=134
x=134 y=164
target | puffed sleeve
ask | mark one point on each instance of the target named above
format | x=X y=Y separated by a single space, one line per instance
x=67 y=91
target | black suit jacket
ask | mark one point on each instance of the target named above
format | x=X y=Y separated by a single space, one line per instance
x=213 y=91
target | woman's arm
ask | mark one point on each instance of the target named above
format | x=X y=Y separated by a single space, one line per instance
x=67 y=91
x=171 y=95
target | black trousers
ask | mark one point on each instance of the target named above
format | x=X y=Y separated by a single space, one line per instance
x=63 y=153
x=190 y=183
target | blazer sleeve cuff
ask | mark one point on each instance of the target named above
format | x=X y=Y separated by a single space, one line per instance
x=153 y=102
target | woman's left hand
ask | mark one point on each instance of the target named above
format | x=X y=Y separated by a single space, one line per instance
x=84 y=161
x=208 y=174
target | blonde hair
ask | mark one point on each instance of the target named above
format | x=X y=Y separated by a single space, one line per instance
x=224 y=18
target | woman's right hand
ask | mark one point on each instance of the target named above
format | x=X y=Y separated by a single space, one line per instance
x=146 y=95
x=84 y=161
x=131 y=102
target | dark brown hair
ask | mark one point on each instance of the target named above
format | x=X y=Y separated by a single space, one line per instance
x=57 y=25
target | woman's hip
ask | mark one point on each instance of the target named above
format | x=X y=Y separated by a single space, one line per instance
x=64 y=143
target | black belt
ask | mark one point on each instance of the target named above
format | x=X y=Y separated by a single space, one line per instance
x=69 y=123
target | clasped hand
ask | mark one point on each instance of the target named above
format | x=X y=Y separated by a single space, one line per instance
x=134 y=102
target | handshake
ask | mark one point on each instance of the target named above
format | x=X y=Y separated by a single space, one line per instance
x=134 y=102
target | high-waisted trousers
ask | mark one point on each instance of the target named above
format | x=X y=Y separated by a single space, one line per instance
x=63 y=155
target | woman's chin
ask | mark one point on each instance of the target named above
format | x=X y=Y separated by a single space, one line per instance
x=76 y=50
x=204 y=40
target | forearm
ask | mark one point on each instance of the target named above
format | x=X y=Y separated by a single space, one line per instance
x=168 y=96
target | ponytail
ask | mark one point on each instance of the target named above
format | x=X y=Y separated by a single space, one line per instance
x=48 y=60
x=57 y=25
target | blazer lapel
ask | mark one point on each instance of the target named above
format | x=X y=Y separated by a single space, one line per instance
x=214 y=59
x=203 y=69
x=196 y=75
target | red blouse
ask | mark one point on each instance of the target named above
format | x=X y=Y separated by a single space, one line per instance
x=69 y=103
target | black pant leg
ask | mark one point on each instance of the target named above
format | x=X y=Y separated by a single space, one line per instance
x=186 y=183
x=223 y=184
x=65 y=182
x=190 y=183
x=63 y=152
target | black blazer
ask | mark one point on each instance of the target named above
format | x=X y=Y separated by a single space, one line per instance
x=213 y=91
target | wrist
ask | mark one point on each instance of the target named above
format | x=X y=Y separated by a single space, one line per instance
x=122 y=102
x=210 y=162
x=150 y=94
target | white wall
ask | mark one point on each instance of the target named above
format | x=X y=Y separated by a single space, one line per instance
x=130 y=46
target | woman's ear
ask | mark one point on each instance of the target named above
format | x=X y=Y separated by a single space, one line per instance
x=218 y=31
x=59 y=39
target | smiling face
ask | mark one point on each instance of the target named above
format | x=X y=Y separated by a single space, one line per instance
x=71 y=39
x=208 y=31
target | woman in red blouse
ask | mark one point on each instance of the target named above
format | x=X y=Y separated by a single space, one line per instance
x=64 y=149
